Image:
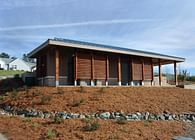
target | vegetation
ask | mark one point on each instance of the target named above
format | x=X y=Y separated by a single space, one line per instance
x=91 y=124
x=82 y=89
x=183 y=75
x=121 y=121
x=57 y=120
x=45 y=100
x=10 y=72
x=4 y=55
x=77 y=102
x=50 y=134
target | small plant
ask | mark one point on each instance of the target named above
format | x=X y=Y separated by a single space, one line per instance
x=35 y=125
x=121 y=121
x=27 y=120
x=45 y=100
x=113 y=136
x=50 y=134
x=26 y=89
x=57 y=120
x=77 y=102
x=123 y=129
x=14 y=94
x=82 y=89
x=1 y=98
x=91 y=125
x=102 y=90
x=36 y=93
x=60 y=90
x=147 y=122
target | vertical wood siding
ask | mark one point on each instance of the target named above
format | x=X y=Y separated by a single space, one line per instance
x=113 y=63
x=147 y=69
x=83 y=65
x=137 y=69
x=99 y=66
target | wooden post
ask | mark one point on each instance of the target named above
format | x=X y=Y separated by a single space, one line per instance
x=143 y=72
x=75 y=68
x=152 y=71
x=119 y=71
x=107 y=70
x=57 y=61
x=160 y=72
x=175 y=72
x=132 y=77
x=92 y=69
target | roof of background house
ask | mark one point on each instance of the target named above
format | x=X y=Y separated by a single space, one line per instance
x=30 y=64
x=6 y=60
x=100 y=47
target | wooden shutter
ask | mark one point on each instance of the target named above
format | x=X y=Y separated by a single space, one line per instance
x=137 y=69
x=99 y=66
x=83 y=65
x=147 y=69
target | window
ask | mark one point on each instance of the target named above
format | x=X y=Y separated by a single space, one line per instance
x=14 y=67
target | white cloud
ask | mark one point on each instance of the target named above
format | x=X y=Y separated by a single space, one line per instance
x=74 y=24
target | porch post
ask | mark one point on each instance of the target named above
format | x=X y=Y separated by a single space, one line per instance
x=152 y=65
x=142 y=72
x=75 y=68
x=119 y=71
x=131 y=64
x=107 y=70
x=57 y=60
x=92 y=69
x=160 y=72
x=175 y=72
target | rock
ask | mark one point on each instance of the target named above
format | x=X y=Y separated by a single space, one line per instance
x=181 y=138
x=105 y=115
x=81 y=116
x=161 y=117
x=146 y=115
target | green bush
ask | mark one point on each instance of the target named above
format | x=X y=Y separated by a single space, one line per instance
x=91 y=125
x=77 y=102
x=45 y=100
x=50 y=134
x=57 y=120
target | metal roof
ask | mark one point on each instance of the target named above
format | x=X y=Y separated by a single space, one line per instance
x=105 y=48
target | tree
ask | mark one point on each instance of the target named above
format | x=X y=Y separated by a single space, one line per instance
x=4 y=55
x=183 y=75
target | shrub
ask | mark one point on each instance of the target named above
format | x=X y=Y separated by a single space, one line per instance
x=91 y=125
x=50 y=134
x=35 y=125
x=82 y=89
x=113 y=136
x=60 y=90
x=1 y=98
x=57 y=120
x=121 y=121
x=14 y=93
x=36 y=93
x=45 y=100
x=26 y=89
x=102 y=90
x=77 y=102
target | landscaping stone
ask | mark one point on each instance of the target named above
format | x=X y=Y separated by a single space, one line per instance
x=105 y=115
x=181 y=138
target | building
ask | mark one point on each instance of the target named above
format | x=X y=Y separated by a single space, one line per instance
x=70 y=62
x=4 y=63
x=20 y=64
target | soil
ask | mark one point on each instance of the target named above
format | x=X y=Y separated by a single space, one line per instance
x=15 y=128
x=94 y=99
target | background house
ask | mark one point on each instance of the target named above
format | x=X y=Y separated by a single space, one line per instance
x=20 y=64
x=4 y=63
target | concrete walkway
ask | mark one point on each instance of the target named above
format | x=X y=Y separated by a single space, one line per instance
x=2 y=137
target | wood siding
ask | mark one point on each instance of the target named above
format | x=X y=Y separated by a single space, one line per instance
x=147 y=69
x=137 y=69
x=113 y=64
x=99 y=66
x=83 y=65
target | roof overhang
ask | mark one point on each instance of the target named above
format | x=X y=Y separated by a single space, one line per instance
x=104 y=49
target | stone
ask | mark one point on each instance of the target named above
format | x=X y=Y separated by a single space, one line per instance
x=105 y=115
x=181 y=138
x=81 y=116
x=146 y=115
x=161 y=117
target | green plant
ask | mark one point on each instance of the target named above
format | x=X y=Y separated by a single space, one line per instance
x=27 y=120
x=91 y=124
x=123 y=129
x=1 y=98
x=60 y=90
x=102 y=90
x=45 y=100
x=26 y=89
x=36 y=93
x=35 y=125
x=50 y=134
x=14 y=93
x=121 y=121
x=57 y=120
x=82 y=89
x=77 y=102
x=147 y=122
x=113 y=136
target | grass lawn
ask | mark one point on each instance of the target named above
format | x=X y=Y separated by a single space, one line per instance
x=10 y=72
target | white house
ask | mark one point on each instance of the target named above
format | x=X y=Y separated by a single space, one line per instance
x=4 y=63
x=19 y=64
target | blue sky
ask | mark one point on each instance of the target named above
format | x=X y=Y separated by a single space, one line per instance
x=163 y=26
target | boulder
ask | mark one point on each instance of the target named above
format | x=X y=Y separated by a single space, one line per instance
x=105 y=115
x=181 y=138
